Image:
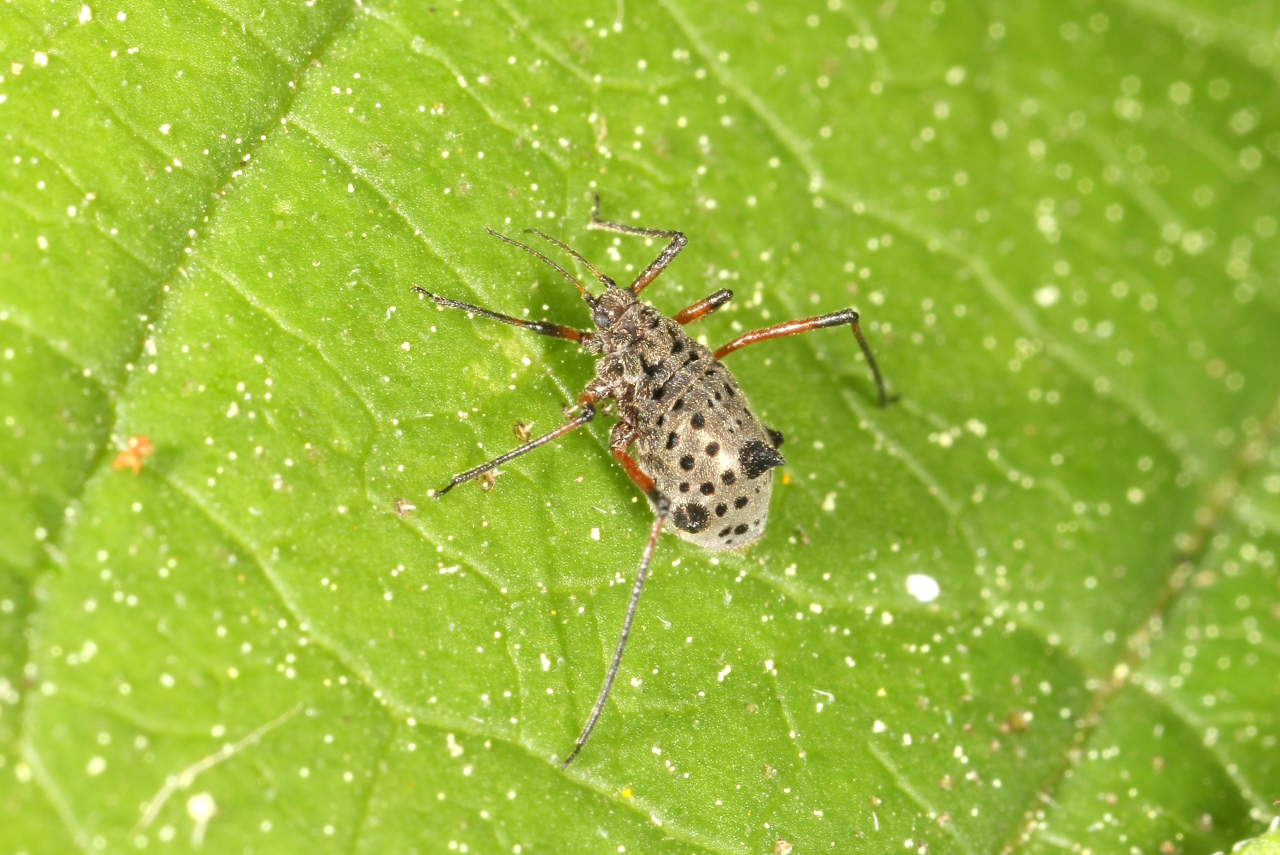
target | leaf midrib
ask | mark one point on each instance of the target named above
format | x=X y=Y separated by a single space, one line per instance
x=1218 y=499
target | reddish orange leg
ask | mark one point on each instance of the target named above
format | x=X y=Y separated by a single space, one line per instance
x=622 y=436
x=704 y=307
x=803 y=325
x=676 y=242
x=587 y=401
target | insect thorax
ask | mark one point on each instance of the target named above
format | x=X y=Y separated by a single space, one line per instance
x=695 y=434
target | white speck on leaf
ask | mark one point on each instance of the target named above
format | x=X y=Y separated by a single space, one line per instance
x=924 y=588
x=201 y=807
x=1048 y=295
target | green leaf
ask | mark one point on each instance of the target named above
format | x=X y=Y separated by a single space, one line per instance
x=1057 y=220
x=1268 y=844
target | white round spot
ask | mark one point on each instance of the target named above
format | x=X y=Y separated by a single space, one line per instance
x=923 y=588
x=201 y=807
x=1048 y=295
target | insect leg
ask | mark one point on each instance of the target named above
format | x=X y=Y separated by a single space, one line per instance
x=541 y=327
x=676 y=242
x=803 y=325
x=704 y=307
x=661 y=505
x=587 y=401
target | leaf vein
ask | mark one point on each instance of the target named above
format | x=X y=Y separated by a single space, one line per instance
x=905 y=785
x=396 y=708
x=931 y=240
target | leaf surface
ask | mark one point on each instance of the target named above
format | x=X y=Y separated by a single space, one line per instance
x=1031 y=606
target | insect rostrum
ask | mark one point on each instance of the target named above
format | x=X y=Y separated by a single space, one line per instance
x=702 y=458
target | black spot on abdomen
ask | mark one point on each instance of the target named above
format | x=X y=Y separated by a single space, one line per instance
x=757 y=458
x=691 y=517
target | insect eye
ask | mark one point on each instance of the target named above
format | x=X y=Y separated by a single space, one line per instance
x=601 y=317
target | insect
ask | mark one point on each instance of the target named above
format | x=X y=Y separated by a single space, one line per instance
x=702 y=458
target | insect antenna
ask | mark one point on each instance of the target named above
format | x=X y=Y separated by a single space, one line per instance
x=586 y=295
x=604 y=280
x=663 y=506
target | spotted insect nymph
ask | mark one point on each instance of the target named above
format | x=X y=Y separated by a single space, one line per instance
x=702 y=458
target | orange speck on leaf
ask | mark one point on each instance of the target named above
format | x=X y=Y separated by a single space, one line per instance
x=135 y=449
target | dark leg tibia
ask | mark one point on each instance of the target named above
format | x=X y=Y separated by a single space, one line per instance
x=835 y=319
x=675 y=242
x=541 y=327
x=586 y=401
x=704 y=307
x=618 y=445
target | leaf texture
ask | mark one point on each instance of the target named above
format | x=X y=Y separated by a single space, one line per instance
x=1029 y=607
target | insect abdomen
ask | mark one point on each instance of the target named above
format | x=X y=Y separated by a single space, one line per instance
x=708 y=453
